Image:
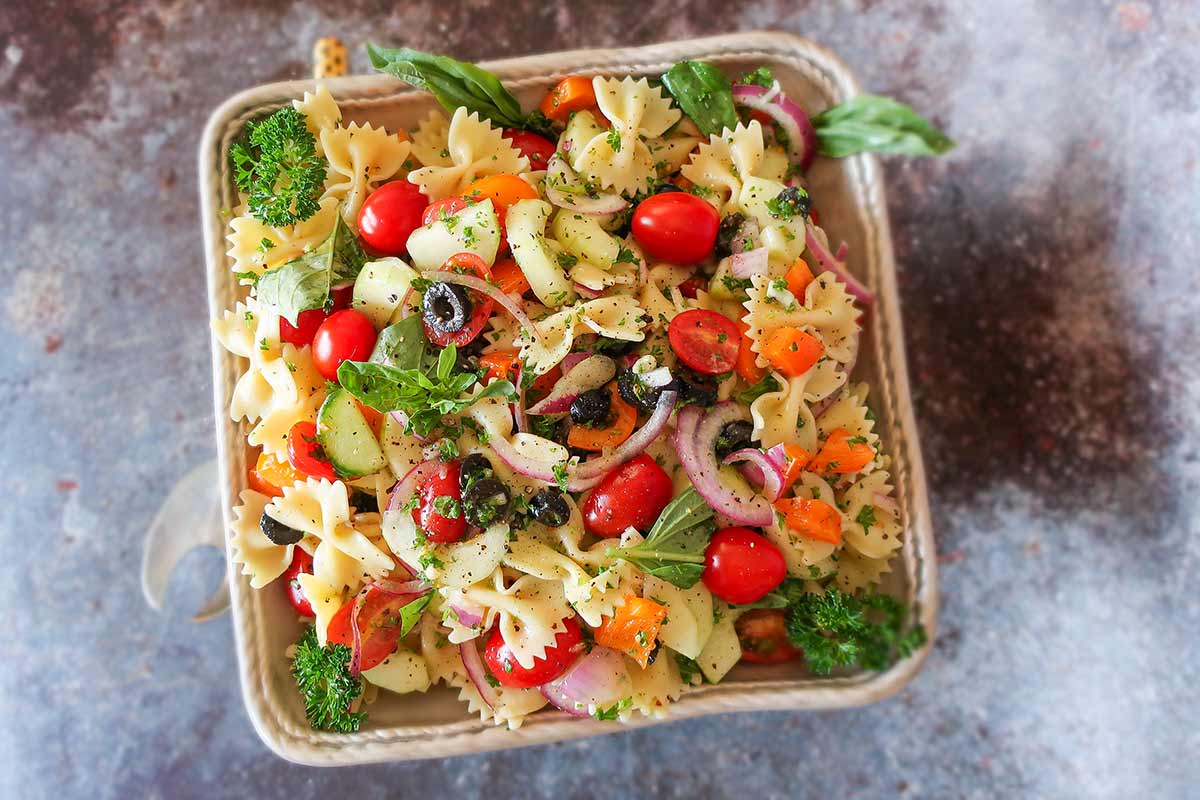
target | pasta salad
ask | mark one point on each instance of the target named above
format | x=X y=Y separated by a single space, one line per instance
x=557 y=408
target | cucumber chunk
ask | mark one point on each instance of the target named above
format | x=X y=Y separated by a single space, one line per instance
x=348 y=441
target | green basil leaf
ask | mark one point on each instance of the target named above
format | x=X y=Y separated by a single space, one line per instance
x=404 y=345
x=410 y=614
x=674 y=548
x=305 y=282
x=869 y=123
x=704 y=94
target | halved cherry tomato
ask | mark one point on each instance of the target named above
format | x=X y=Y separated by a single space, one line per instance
x=306 y=453
x=793 y=351
x=705 y=340
x=389 y=215
x=567 y=648
x=307 y=322
x=439 y=527
x=509 y=277
x=747 y=360
x=379 y=625
x=347 y=335
x=811 y=518
x=302 y=564
x=842 y=453
x=500 y=365
x=763 y=636
x=440 y=209
x=633 y=630
x=691 y=286
x=676 y=227
x=740 y=566
x=622 y=419
x=481 y=305
x=573 y=93
x=269 y=475
x=503 y=190
x=537 y=149
x=631 y=496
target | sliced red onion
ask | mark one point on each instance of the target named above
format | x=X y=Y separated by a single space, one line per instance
x=656 y=377
x=821 y=406
x=356 y=643
x=404 y=489
x=598 y=679
x=588 y=292
x=830 y=262
x=402 y=418
x=518 y=408
x=591 y=373
x=477 y=672
x=770 y=475
x=886 y=503
x=750 y=263
x=695 y=440
x=416 y=587
x=802 y=137
x=485 y=288
x=467 y=614
x=747 y=237
x=571 y=360
x=559 y=175
x=405 y=310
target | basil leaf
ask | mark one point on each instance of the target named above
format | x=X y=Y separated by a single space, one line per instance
x=453 y=83
x=410 y=614
x=766 y=383
x=869 y=123
x=404 y=345
x=305 y=282
x=704 y=94
x=759 y=77
x=674 y=548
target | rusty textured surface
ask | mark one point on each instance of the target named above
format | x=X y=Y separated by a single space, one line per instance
x=1051 y=299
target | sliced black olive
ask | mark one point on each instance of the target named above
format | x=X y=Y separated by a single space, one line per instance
x=446 y=307
x=663 y=188
x=591 y=407
x=733 y=436
x=693 y=390
x=550 y=508
x=612 y=347
x=731 y=225
x=474 y=468
x=636 y=393
x=277 y=532
x=791 y=202
x=486 y=501
x=364 y=502
x=650 y=659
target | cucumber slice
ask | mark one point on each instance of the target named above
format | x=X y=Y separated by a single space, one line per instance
x=347 y=439
x=379 y=288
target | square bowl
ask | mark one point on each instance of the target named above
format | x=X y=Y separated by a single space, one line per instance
x=851 y=198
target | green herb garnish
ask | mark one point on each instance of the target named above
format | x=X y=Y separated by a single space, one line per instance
x=323 y=676
x=278 y=168
x=674 y=549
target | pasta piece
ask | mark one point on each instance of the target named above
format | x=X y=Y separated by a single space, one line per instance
x=261 y=559
x=689 y=621
x=320 y=112
x=529 y=613
x=512 y=705
x=474 y=149
x=655 y=687
x=472 y=559
x=723 y=650
x=806 y=557
x=360 y=158
x=827 y=312
x=880 y=539
x=321 y=509
x=782 y=416
x=325 y=600
x=783 y=238
x=402 y=672
x=618 y=317
x=619 y=159
x=255 y=247
x=429 y=140
x=856 y=573
x=728 y=159
x=671 y=153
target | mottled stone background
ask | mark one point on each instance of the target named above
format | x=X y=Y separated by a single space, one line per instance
x=1050 y=291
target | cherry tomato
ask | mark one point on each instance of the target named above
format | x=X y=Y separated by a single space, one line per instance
x=763 y=636
x=740 y=566
x=705 y=340
x=438 y=527
x=379 y=625
x=444 y=207
x=347 y=335
x=676 y=227
x=536 y=148
x=306 y=453
x=631 y=496
x=307 y=322
x=691 y=286
x=568 y=646
x=481 y=305
x=302 y=564
x=389 y=215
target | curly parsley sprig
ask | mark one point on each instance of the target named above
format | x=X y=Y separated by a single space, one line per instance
x=277 y=166
x=323 y=675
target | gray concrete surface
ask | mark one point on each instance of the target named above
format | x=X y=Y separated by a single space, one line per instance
x=1051 y=296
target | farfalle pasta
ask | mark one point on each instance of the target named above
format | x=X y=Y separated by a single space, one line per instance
x=551 y=409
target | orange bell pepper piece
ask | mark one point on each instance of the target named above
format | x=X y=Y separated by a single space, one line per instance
x=573 y=93
x=792 y=351
x=500 y=365
x=509 y=277
x=813 y=519
x=798 y=277
x=842 y=453
x=797 y=460
x=633 y=629
x=619 y=428
x=268 y=475
x=746 y=366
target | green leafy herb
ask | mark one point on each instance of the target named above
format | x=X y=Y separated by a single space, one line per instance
x=759 y=77
x=566 y=260
x=613 y=712
x=425 y=396
x=249 y=277
x=410 y=613
x=869 y=123
x=791 y=202
x=447 y=506
x=688 y=668
x=427 y=560
x=323 y=676
x=765 y=384
x=447 y=449
x=265 y=245
x=305 y=282
x=625 y=256
x=277 y=166
x=674 y=549
x=560 y=476
x=404 y=345
x=704 y=94
x=866 y=516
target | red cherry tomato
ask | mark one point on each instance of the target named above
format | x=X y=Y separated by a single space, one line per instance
x=676 y=227
x=481 y=305
x=347 y=335
x=389 y=215
x=632 y=495
x=740 y=566
x=439 y=208
x=379 y=625
x=691 y=286
x=763 y=636
x=438 y=527
x=305 y=452
x=307 y=322
x=302 y=564
x=536 y=148
x=705 y=340
x=568 y=646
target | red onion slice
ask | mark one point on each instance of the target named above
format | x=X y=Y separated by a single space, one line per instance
x=830 y=262
x=402 y=418
x=588 y=292
x=356 y=643
x=467 y=614
x=771 y=478
x=559 y=175
x=750 y=263
x=518 y=408
x=477 y=672
x=485 y=288
x=886 y=503
x=590 y=373
x=404 y=489
x=695 y=439
x=802 y=137
x=600 y=678
x=571 y=360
